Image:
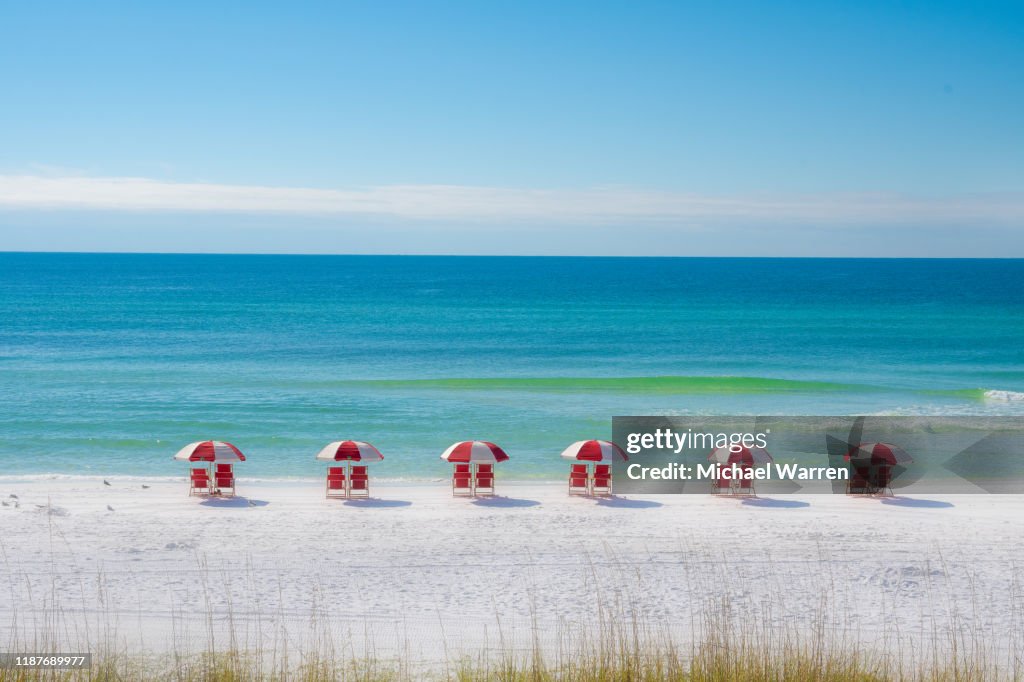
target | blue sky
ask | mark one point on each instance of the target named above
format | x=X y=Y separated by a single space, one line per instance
x=683 y=128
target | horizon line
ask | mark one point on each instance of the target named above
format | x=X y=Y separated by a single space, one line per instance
x=6 y=252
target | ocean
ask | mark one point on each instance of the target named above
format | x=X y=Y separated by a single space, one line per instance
x=111 y=362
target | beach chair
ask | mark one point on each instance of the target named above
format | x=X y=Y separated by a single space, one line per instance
x=462 y=481
x=883 y=480
x=199 y=482
x=336 y=482
x=602 y=482
x=359 y=482
x=722 y=486
x=225 y=479
x=579 y=480
x=859 y=483
x=746 y=487
x=484 y=484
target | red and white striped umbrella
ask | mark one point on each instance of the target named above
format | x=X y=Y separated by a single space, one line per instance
x=594 y=451
x=474 y=451
x=350 y=451
x=744 y=456
x=878 y=453
x=210 y=451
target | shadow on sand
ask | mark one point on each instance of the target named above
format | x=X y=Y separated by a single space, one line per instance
x=233 y=502
x=920 y=504
x=772 y=503
x=626 y=503
x=504 y=502
x=377 y=502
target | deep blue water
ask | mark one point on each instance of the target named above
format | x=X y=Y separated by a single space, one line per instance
x=109 y=363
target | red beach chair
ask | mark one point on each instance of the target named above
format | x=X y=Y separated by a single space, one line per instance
x=579 y=480
x=602 y=483
x=225 y=479
x=722 y=486
x=199 y=482
x=859 y=483
x=484 y=480
x=336 y=482
x=884 y=481
x=359 y=482
x=462 y=481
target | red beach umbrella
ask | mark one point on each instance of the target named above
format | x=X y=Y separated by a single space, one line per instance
x=350 y=451
x=878 y=453
x=210 y=451
x=594 y=451
x=743 y=457
x=474 y=451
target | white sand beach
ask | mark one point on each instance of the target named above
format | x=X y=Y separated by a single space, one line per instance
x=414 y=573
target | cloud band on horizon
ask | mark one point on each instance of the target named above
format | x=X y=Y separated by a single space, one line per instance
x=599 y=205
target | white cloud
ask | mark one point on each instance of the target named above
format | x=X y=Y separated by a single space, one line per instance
x=508 y=205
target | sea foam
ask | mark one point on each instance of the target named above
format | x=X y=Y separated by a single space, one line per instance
x=1004 y=395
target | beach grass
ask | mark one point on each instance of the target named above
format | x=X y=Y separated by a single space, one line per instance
x=622 y=647
x=625 y=650
x=738 y=662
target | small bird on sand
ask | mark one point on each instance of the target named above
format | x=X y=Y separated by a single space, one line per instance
x=106 y=482
x=5 y=503
x=251 y=503
x=42 y=506
x=13 y=496
x=145 y=487
x=109 y=508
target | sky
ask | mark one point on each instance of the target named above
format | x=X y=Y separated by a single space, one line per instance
x=677 y=128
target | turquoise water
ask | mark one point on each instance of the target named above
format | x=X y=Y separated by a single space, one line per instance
x=110 y=363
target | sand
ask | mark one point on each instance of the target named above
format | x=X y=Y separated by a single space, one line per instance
x=414 y=573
